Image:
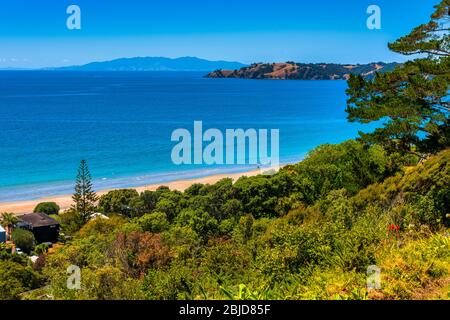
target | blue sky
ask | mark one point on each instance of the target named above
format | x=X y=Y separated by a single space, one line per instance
x=33 y=33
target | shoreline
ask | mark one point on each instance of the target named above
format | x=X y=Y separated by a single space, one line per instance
x=65 y=201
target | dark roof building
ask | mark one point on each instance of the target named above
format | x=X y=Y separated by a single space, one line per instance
x=44 y=228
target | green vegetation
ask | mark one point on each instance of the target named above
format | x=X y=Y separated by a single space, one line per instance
x=118 y=201
x=8 y=220
x=16 y=278
x=412 y=100
x=84 y=197
x=304 y=71
x=308 y=232
x=16 y=275
x=23 y=239
x=47 y=208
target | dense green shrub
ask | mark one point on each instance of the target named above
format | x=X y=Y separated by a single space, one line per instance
x=175 y=283
x=118 y=201
x=155 y=222
x=71 y=221
x=16 y=278
x=309 y=231
x=23 y=239
x=47 y=208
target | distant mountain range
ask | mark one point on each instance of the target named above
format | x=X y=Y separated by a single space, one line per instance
x=228 y=69
x=303 y=71
x=155 y=64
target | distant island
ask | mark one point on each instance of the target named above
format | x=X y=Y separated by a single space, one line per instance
x=303 y=71
x=155 y=64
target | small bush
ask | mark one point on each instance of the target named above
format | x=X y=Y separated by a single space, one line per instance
x=118 y=201
x=23 y=239
x=47 y=208
x=153 y=222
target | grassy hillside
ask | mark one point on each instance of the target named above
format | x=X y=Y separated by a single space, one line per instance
x=308 y=232
x=303 y=71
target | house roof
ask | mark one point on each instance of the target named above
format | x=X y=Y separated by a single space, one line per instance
x=38 y=220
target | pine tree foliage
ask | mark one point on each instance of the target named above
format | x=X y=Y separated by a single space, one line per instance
x=412 y=101
x=84 y=197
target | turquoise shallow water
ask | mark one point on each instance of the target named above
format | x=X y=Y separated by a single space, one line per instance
x=121 y=123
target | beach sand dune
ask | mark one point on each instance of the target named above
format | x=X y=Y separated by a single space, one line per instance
x=65 y=201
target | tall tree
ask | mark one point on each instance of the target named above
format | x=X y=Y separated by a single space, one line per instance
x=412 y=101
x=84 y=197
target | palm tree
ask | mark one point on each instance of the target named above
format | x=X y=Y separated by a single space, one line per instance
x=8 y=220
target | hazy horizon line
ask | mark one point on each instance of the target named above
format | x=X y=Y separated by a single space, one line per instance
x=51 y=68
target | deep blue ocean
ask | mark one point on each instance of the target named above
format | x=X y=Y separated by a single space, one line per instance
x=121 y=123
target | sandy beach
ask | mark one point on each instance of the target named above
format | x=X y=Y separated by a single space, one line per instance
x=65 y=201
